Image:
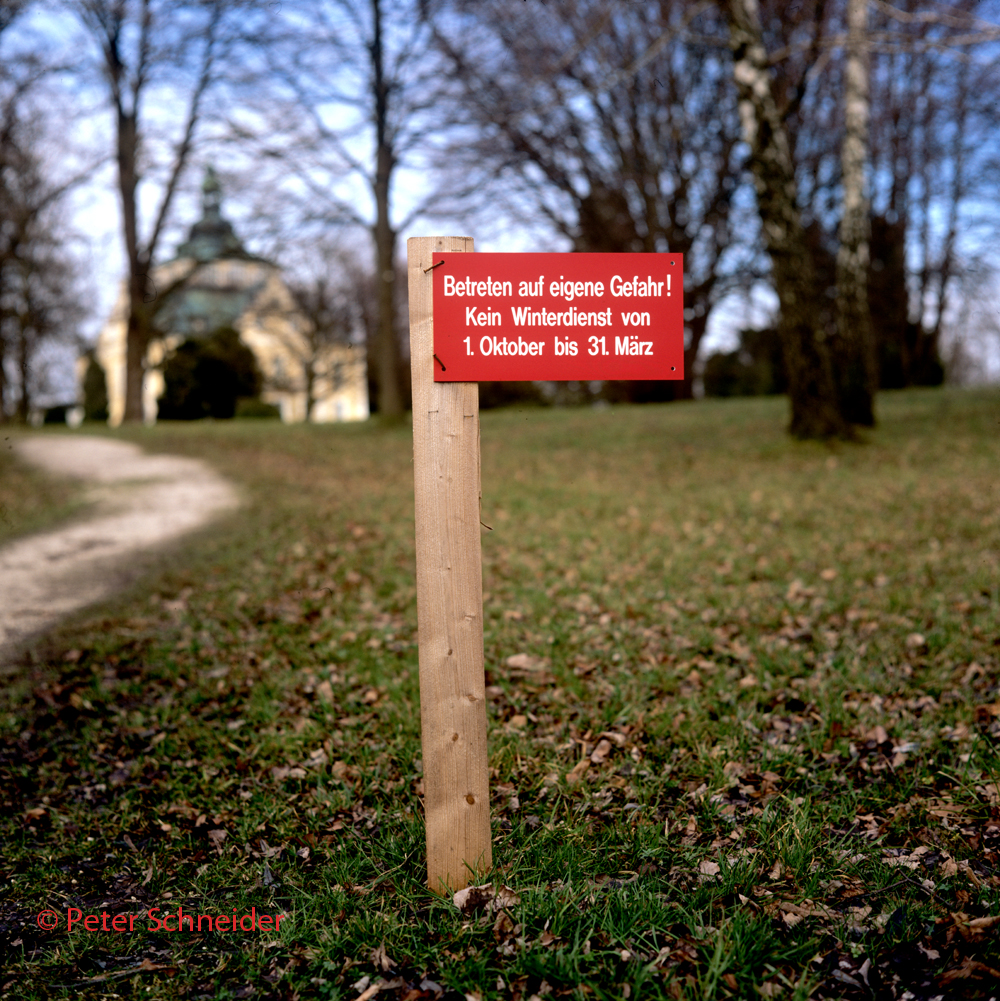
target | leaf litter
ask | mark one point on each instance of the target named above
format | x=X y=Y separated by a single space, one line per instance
x=780 y=758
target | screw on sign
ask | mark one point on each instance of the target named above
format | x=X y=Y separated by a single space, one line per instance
x=497 y=317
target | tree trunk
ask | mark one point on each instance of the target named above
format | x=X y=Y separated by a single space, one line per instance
x=390 y=397
x=697 y=325
x=3 y=377
x=854 y=351
x=136 y=343
x=815 y=413
x=136 y=340
x=23 y=369
x=310 y=380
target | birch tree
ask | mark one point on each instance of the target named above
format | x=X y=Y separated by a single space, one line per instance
x=935 y=126
x=815 y=410
x=854 y=351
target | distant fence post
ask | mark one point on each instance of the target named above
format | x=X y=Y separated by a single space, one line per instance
x=447 y=493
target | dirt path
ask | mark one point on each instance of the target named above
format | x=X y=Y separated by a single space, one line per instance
x=142 y=502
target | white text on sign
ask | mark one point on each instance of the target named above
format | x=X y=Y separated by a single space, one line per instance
x=568 y=290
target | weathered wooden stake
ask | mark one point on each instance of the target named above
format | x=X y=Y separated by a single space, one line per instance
x=447 y=494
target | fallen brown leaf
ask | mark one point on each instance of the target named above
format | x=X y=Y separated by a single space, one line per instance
x=485 y=897
x=525 y=662
x=343 y=772
x=618 y=739
x=380 y=985
x=504 y=927
x=382 y=960
x=281 y=772
x=970 y=969
x=877 y=734
x=975 y=930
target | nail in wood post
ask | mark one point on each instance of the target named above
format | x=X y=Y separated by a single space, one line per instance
x=449 y=594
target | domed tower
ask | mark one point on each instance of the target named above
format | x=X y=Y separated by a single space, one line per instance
x=212 y=237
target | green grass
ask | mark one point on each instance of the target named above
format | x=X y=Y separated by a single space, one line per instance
x=29 y=500
x=793 y=649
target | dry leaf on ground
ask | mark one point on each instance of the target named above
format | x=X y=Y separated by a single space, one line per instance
x=485 y=898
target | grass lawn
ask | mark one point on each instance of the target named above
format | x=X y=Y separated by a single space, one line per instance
x=744 y=722
x=29 y=500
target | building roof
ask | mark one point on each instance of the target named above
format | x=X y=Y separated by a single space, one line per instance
x=212 y=237
x=226 y=280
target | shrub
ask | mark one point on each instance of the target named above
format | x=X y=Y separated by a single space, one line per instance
x=205 y=377
x=256 y=407
x=95 y=391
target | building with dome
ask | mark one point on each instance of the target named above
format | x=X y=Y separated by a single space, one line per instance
x=215 y=283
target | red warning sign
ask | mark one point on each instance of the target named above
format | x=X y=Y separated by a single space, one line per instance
x=514 y=317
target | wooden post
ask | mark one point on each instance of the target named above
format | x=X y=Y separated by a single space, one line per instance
x=447 y=495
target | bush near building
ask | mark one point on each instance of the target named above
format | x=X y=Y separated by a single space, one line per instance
x=206 y=377
x=95 y=390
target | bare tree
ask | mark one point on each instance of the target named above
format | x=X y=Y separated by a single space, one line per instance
x=39 y=295
x=559 y=108
x=186 y=48
x=40 y=305
x=615 y=124
x=933 y=165
x=361 y=100
x=38 y=276
x=328 y=301
x=936 y=165
x=10 y=11
x=390 y=399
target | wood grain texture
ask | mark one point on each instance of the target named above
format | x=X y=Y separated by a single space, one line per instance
x=447 y=494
